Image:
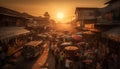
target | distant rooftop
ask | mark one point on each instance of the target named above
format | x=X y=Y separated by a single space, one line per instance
x=6 y=11
x=111 y=1
x=10 y=12
x=86 y=8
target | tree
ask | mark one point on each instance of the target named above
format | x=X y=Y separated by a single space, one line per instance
x=46 y=15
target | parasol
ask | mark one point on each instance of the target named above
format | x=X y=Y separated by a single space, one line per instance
x=88 y=32
x=72 y=48
x=77 y=37
x=42 y=35
x=66 y=43
x=79 y=33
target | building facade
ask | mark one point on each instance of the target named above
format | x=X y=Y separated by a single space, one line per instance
x=86 y=17
x=112 y=11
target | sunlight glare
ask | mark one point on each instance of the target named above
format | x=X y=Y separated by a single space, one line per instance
x=60 y=15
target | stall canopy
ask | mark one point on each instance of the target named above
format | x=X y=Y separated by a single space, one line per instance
x=88 y=32
x=72 y=48
x=79 y=33
x=113 y=34
x=9 y=32
x=66 y=43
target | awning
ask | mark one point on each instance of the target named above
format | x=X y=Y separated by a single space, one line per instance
x=8 y=32
x=113 y=34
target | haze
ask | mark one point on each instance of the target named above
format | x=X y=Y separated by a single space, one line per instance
x=38 y=7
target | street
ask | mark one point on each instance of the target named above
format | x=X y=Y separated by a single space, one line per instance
x=47 y=59
x=60 y=34
x=36 y=63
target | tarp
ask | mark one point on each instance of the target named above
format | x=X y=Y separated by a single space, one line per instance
x=8 y=32
x=113 y=34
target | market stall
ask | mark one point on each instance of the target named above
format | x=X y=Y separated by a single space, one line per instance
x=72 y=52
x=113 y=34
x=64 y=44
x=71 y=48
x=9 y=32
x=13 y=38
x=32 y=49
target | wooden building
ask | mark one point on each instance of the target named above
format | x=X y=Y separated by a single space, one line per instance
x=10 y=17
x=112 y=11
x=86 y=17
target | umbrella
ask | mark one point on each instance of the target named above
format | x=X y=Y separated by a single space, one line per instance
x=77 y=37
x=42 y=35
x=72 y=48
x=79 y=33
x=88 y=32
x=66 y=44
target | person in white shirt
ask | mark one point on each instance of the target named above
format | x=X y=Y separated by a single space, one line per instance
x=67 y=63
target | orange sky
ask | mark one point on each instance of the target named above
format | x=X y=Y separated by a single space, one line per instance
x=38 y=7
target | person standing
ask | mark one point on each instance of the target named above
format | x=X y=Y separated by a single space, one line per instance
x=61 y=59
x=56 y=59
x=67 y=63
x=98 y=65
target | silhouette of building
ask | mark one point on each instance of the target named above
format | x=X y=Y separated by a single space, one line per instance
x=10 y=17
x=112 y=11
x=86 y=17
x=109 y=23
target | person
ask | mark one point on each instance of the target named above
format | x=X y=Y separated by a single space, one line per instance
x=52 y=49
x=56 y=60
x=61 y=59
x=67 y=63
x=98 y=65
x=113 y=62
x=3 y=53
x=105 y=62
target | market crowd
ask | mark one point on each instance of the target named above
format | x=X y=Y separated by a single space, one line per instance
x=94 y=52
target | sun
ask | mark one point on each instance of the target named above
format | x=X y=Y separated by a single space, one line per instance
x=60 y=15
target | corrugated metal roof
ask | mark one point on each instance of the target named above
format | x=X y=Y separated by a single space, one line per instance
x=34 y=43
x=8 y=32
x=113 y=33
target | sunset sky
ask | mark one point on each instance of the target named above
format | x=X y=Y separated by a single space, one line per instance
x=53 y=7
